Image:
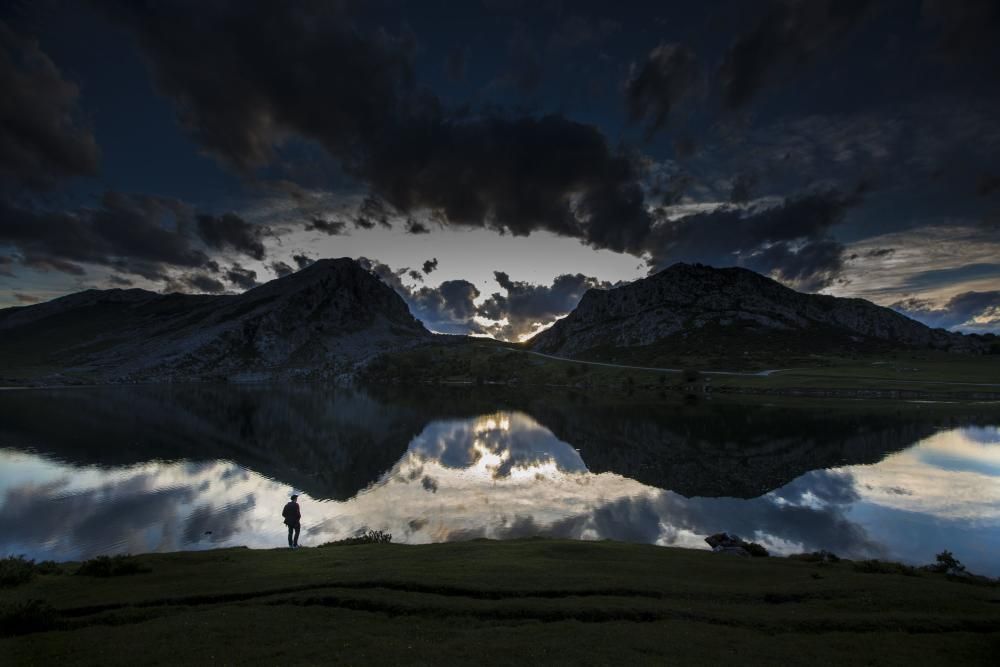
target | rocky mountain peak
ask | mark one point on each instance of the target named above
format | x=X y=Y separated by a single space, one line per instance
x=736 y=308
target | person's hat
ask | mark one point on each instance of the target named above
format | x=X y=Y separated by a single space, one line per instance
x=294 y=495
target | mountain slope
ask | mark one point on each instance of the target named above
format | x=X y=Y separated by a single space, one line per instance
x=697 y=310
x=318 y=321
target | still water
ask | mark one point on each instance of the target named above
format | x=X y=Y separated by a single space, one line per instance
x=89 y=471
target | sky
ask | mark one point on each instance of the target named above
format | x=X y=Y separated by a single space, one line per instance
x=493 y=160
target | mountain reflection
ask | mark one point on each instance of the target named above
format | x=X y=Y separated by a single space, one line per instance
x=145 y=469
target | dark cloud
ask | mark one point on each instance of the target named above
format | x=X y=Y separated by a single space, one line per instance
x=789 y=241
x=526 y=306
x=430 y=265
x=789 y=34
x=230 y=231
x=742 y=188
x=524 y=63
x=330 y=227
x=448 y=308
x=371 y=212
x=456 y=62
x=577 y=31
x=808 y=266
x=988 y=184
x=26 y=298
x=120 y=281
x=136 y=234
x=302 y=261
x=414 y=226
x=510 y=174
x=654 y=89
x=967 y=29
x=684 y=147
x=415 y=275
x=282 y=269
x=199 y=282
x=968 y=311
x=7 y=263
x=41 y=137
x=241 y=277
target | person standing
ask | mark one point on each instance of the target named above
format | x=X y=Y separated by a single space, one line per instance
x=293 y=516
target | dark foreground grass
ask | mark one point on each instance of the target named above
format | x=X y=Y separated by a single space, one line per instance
x=484 y=602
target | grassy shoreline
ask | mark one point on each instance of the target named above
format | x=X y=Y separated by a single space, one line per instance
x=535 y=600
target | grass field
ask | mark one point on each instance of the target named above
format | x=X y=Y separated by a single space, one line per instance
x=516 y=602
x=932 y=373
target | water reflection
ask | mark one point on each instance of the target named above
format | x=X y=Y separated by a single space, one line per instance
x=212 y=468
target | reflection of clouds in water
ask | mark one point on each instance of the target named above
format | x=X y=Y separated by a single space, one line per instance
x=496 y=476
x=514 y=439
x=952 y=474
x=539 y=486
x=69 y=513
x=792 y=521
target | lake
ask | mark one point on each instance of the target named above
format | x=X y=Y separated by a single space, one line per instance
x=88 y=471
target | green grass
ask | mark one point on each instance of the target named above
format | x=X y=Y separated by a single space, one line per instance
x=516 y=602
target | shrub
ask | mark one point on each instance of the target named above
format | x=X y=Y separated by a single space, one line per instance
x=26 y=616
x=111 y=566
x=15 y=570
x=371 y=537
x=945 y=562
x=48 y=567
x=822 y=556
x=884 y=567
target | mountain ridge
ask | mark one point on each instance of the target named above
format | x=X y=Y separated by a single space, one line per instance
x=684 y=299
x=318 y=321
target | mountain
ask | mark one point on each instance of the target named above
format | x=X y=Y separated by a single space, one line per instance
x=317 y=322
x=690 y=311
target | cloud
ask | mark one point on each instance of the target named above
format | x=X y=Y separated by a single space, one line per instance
x=788 y=240
x=120 y=281
x=526 y=307
x=42 y=140
x=524 y=63
x=790 y=34
x=26 y=298
x=988 y=184
x=241 y=277
x=199 y=282
x=967 y=29
x=414 y=226
x=973 y=312
x=136 y=234
x=371 y=212
x=513 y=174
x=430 y=265
x=448 y=308
x=302 y=261
x=282 y=269
x=230 y=231
x=329 y=227
x=654 y=89
x=456 y=62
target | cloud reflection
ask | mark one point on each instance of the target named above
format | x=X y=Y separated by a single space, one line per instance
x=504 y=475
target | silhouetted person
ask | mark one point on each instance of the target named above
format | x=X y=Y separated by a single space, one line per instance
x=292 y=515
